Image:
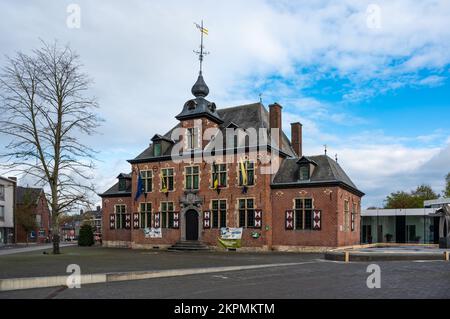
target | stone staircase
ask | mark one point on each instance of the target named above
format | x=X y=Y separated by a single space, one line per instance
x=188 y=245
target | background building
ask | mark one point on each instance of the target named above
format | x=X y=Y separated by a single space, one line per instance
x=7 y=209
x=33 y=201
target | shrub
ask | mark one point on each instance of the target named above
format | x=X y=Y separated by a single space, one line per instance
x=86 y=237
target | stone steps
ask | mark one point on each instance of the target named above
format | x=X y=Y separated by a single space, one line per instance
x=188 y=245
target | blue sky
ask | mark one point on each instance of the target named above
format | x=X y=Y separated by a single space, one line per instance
x=368 y=78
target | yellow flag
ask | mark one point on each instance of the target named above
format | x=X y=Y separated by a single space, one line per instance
x=202 y=30
x=244 y=172
x=164 y=186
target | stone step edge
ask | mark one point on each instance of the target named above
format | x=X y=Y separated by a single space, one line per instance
x=9 y=284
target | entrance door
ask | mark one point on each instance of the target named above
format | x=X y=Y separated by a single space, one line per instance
x=400 y=229
x=191 y=225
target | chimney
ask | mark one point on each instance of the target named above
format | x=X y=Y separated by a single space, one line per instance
x=275 y=117
x=296 y=138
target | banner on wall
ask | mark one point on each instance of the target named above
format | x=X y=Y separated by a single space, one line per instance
x=230 y=233
x=152 y=232
x=230 y=237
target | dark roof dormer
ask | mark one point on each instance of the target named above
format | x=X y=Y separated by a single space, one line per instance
x=306 y=168
x=199 y=107
x=161 y=144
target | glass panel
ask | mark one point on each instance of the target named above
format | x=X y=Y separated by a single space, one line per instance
x=308 y=203
x=242 y=203
x=250 y=218
x=241 y=218
x=214 y=204
x=250 y=203
x=308 y=219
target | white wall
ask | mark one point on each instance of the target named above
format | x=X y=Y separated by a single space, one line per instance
x=8 y=203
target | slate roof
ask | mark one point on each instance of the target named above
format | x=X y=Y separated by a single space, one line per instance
x=114 y=191
x=244 y=116
x=327 y=171
x=27 y=194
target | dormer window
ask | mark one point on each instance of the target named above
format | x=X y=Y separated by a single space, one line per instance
x=304 y=172
x=122 y=184
x=157 y=149
x=306 y=168
x=192 y=138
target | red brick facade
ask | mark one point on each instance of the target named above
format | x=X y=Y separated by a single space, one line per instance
x=274 y=202
x=328 y=203
x=42 y=232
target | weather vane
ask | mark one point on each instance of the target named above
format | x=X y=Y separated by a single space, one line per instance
x=201 y=53
x=325 y=146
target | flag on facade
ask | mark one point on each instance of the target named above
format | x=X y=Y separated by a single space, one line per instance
x=140 y=186
x=244 y=176
x=164 y=185
x=216 y=179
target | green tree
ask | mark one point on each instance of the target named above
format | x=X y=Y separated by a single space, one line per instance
x=86 y=237
x=425 y=192
x=414 y=199
x=400 y=199
x=447 y=186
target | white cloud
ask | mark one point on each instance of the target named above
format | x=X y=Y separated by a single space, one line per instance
x=140 y=56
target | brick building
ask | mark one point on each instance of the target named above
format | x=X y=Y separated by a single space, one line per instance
x=190 y=190
x=33 y=201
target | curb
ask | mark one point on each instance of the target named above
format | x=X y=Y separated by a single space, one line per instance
x=55 y=281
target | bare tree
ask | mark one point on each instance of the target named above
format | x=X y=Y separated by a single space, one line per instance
x=45 y=111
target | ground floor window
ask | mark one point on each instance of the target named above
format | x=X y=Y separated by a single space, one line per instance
x=303 y=213
x=246 y=212
x=145 y=218
x=167 y=214
x=120 y=212
x=219 y=213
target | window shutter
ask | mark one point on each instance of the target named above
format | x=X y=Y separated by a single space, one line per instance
x=112 y=221
x=258 y=218
x=136 y=220
x=127 y=221
x=157 y=220
x=206 y=219
x=317 y=216
x=176 y=220
x=289 y=221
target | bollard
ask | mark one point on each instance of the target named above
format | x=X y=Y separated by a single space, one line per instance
x=346 y=256
x=446 y=255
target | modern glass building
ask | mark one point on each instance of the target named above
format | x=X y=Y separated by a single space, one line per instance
x=399 y=226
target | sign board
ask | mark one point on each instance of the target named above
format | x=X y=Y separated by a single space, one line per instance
x=152 y=232
x=230 y=233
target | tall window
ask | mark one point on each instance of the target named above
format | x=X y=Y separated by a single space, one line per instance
x=145 y=219
x=2 y=213
x=219 y=173
x=147 y=179
x=219 y=213
x=166 y=214
x=167 y=179
x=157 y=149
x=120 y=211
x=353 y=218
x=246 y=212
x=2 y=192
x=250 y=170
x=303 y=213
x=192 y=138
x=346 y=215
x=191 y=177
x=304 y=172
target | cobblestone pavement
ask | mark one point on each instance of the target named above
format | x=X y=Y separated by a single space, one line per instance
x=320 y=279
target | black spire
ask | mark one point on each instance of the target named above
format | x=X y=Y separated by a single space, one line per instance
x=200 y=89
